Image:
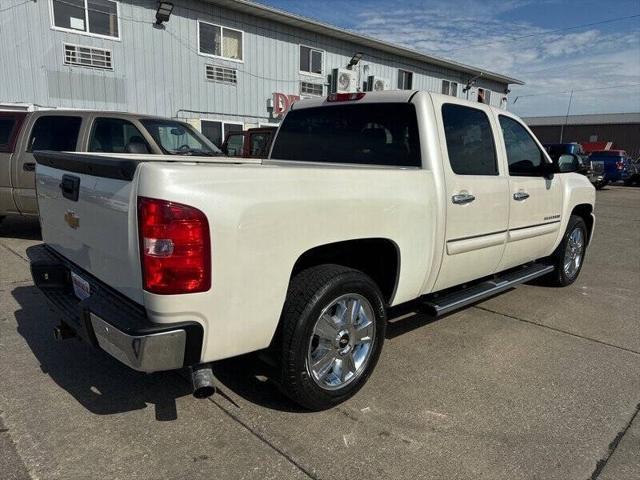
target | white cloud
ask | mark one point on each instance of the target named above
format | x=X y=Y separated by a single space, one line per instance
x=549 y=62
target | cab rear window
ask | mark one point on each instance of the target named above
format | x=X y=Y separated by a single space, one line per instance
x=367 y=134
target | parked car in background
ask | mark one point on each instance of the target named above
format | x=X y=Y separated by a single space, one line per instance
x=367 y=201
x=251 y=143
x=556 y=150
x=634 y=172
x=21 y=133
x=613 y=165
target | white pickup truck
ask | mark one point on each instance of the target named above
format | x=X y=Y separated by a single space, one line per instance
x=366 y=202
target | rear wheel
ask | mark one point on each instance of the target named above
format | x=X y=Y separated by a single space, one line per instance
x=333 y=327
x=569 y=255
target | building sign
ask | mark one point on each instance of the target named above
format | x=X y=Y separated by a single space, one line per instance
x=282 y=102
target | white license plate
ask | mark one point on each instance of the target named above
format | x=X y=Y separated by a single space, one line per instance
x=81 y=287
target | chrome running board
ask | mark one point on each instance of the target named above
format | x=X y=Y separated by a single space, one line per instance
x=439 y=304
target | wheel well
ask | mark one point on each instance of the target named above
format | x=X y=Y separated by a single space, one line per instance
x=377 y=257
x=584 y=211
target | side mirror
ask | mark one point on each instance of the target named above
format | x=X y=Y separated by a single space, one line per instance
x=548 y=169
x=568 y=163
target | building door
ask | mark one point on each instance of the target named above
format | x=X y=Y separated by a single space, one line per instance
x=476 y=193
x=216 y=130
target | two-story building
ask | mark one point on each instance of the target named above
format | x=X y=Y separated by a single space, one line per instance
x=220 y=64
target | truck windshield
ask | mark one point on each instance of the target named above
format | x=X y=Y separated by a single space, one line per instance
x=368 y=134
x=177 y=138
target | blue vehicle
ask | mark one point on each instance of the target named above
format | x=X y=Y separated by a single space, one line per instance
x=557 y=149
x=613 y=164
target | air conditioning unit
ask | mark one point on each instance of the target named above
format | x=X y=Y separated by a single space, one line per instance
x=343 y=81
x=377 y=84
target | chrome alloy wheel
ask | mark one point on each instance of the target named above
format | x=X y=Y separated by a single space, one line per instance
x=574 y=252
x=342 y=342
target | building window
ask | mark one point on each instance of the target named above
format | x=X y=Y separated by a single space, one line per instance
x=222 y=42
x=95 y=17
x=484 y=96
x=449 y=88
x=311 y=60
x=216 y=131
x=221 y=74
x=311 y=89
x=87 y=57
x=405 y=80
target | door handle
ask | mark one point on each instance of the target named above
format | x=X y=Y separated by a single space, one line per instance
x=29 y=167
x=519 y=196
x=462 y=198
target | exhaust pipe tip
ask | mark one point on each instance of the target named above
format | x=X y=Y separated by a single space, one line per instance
x=202 y=380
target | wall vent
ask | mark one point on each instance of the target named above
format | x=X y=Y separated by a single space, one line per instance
x=311 y=89
x=87 y=57
x=221 y=74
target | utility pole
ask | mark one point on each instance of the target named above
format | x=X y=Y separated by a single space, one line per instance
x=566 y=118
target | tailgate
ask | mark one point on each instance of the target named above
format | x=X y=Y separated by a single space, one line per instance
x=88 y=214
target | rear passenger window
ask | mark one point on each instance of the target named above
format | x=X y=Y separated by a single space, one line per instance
x=6 y=130
x=470 y=143
x=368 y=134
x=55 y=132
x=115 y=135
x=523 y=154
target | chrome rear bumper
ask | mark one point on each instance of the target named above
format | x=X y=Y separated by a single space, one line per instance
x=145 y=353
x=109 y=321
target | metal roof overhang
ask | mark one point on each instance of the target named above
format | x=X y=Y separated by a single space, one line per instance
x=308 y=24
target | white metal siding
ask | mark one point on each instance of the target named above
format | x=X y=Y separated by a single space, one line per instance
x=159 y=71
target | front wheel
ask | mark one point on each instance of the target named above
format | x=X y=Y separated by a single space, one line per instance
x=569 y=255
x=333 y=327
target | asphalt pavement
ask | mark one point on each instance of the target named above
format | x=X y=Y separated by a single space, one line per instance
x=536 y=383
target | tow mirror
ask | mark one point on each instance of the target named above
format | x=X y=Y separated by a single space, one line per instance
x=568 y=163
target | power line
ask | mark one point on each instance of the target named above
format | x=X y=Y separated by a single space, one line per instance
x=575 y=91
x=559 y=30
x=15 y=6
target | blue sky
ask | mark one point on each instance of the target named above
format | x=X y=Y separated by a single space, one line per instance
x=553 y=59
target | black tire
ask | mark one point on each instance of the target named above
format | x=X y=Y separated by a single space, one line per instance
x=560 y=277
x=309 y=293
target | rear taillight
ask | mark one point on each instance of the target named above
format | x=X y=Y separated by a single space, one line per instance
x=175 y=247
x=345 y=97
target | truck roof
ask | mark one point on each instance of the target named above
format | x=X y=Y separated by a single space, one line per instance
x=387 y=96
x=51 y=110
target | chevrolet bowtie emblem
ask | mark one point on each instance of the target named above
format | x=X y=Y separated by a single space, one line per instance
x=72 y=219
